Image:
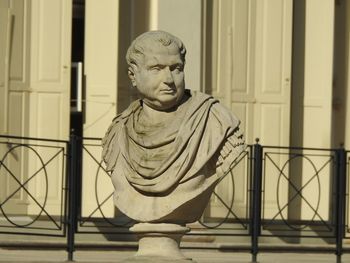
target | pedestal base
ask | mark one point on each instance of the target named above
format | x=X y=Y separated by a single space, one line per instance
x=159 y=243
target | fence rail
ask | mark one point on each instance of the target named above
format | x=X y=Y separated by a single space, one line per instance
x=53 y=188
x=25 y=165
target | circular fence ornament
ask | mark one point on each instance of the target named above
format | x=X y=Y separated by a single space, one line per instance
x=229 y=206
x=308 y=165
x=14 y=154
x=101 y=201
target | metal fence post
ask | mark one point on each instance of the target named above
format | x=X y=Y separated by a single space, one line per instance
x=72 y=197
x=256 y=200
x=340 y=200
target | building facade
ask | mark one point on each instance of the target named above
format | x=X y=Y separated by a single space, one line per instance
x=280 y=65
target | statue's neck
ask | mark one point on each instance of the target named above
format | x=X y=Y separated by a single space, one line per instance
x=156 y=116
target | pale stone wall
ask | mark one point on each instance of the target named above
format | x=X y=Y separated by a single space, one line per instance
x=244 y=59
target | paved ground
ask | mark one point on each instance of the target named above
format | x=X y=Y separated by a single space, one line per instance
x=200 y=256
x=90 y=250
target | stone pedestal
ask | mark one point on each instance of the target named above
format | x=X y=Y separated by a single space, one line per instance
x=159 y=243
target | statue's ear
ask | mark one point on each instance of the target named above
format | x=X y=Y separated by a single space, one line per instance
x=131 y=74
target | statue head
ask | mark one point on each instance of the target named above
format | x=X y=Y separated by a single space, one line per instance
x=156 y=62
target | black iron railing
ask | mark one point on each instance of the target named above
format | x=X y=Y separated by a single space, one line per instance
x=26 y=164
x=58 y=188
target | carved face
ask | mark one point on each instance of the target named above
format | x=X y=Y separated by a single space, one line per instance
x=159 y=77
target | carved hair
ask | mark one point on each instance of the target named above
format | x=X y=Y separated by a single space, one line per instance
x=139 y=45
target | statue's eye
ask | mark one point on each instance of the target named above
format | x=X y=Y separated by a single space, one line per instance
x=156 y=68
x=177 y=68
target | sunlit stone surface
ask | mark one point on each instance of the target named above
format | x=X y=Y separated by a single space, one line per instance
x=167 y=150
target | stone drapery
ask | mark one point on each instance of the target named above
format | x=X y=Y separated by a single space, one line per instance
x=168 y=164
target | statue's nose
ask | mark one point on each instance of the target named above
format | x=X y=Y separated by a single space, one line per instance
x=168 y=77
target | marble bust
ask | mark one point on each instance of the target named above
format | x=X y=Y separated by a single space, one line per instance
x=169 y=149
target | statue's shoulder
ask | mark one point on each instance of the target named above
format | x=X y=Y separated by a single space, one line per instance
x=216 y=106
x=218 y=110
x=110 y=151
x=224 y=114
x=124 y=116
x=129 y=111
x=198 y=95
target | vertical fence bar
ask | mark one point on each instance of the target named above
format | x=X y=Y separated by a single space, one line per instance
x=256 y=205
x=66 y=188
x=72 y=197
x=77 y=129
x=340 y=200
x=78 y=176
